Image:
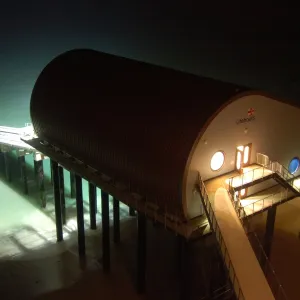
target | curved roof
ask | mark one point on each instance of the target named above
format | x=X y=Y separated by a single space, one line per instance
x=133 y=121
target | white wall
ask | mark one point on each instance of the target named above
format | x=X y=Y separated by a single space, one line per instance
x=274 y=132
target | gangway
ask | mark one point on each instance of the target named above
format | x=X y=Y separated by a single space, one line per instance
x=244 y=270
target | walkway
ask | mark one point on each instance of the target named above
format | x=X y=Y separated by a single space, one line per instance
x=263 y=200
x=252 y=175
x=251 y=278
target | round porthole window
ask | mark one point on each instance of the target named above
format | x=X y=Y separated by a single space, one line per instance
x=294 y=165
x=217 y=161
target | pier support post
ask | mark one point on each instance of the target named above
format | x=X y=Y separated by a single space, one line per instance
x=131 y=212
x=116 y=211
x=183 y=251
x=39 y=176
x=105 y=231
x=268 y=238
x=80 y=218
x=93 y=205
x=7 y=165
x=51 y=174
x=22 y=162
x=141 y=252
x=72 y=185
x=62 y=193
x=58 y=214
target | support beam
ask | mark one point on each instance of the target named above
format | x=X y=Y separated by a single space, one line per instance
x=93 y=205
x=105 y=231
x=40 y=178
x=183 y=251
x=141 y=252
x=58 y=215
x=7 y=166
x=268 y=238
x=62 y=193
x=72 y=185
x=131 y=212
x=116 y=211
x=22 y=163
x=80 y=218
x=51 y=174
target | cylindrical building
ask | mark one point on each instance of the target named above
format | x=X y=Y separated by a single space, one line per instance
x=130 y=120
x=153 y=128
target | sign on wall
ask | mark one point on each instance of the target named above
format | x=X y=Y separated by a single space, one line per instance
x=249 y=118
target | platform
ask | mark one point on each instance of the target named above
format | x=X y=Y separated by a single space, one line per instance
x=252 y=175
x=261 y=201
x=11 y=138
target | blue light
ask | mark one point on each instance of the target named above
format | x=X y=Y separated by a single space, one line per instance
x=294 y=165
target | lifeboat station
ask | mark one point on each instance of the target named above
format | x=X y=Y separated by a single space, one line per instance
x=193 y=156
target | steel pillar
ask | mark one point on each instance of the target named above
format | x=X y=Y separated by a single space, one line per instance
x=116 y=212
x=105 y=231
x=131 y=212
x=80 y=218
x=72 y=185
x=141 y=252
x=62 y=193
x=183 y=251
x=268 y=238
x=7 y=166
x=40 y=178
x=22 y=163
x=58 y=215
x=93 y=205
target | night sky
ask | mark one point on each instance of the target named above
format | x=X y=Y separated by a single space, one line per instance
x=256 y=46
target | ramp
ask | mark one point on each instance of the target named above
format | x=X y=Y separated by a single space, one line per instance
x=252 y=280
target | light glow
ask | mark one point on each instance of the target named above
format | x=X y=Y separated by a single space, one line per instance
x=246 y=154
x=238 y=160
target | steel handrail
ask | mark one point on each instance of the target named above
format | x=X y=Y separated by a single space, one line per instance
x=263 y=200
x=278 y=290
x=223 y=249
x=275 y=167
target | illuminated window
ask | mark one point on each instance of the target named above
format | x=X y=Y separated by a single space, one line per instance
x=238 y=160
x=217 y=161
x=294 y=165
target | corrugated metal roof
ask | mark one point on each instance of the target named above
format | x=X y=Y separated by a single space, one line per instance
x=133 y=121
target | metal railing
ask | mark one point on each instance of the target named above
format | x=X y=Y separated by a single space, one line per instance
x=223 y=249
x=267 y=201
x=263 y=171
x=266 y=265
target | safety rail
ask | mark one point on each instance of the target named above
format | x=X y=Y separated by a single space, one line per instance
x=265 y=263
x=267 y=201
x=223 y=249
x=223 y=292
x=261 y=172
